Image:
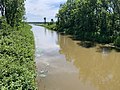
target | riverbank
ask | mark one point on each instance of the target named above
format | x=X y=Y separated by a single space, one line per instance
x=17 y=65
x=84 y=43
x=49 y=26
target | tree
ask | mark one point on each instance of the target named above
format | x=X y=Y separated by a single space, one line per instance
x=44 y=20
x=13 y=11
x=52 y=21
x=92 y=20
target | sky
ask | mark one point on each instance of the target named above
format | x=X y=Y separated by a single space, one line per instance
x=36 y=10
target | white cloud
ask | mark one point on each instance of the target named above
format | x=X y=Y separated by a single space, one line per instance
x=36 y=10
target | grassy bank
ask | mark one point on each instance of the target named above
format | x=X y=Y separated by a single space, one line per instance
x=17 y=66
x=49 y=26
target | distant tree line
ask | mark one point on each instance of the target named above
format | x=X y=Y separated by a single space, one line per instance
x=91 y=20
x=13 y=11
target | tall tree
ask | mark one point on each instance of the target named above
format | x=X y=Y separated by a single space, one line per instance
x=13 y=11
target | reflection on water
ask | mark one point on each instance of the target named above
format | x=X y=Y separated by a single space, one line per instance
x=63 y=65
x=102 y=69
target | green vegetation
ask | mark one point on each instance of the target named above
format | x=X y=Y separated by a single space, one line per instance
x=91 y=20
x=117 y=41
x=17 y=66
x=13 y=11
x=49 y=26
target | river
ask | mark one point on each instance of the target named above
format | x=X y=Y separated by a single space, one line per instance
x=62 y=64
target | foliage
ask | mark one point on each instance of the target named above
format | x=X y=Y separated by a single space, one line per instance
x=17 y=67
x=90 y=20
x=117 y=42
x=13 y=11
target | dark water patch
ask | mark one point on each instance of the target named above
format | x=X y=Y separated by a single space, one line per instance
x=117 y=49
x=107 y=48
x=87 y=44
x=104 y=49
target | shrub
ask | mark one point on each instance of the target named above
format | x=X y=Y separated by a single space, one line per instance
x=117 y=41
x=17 y=67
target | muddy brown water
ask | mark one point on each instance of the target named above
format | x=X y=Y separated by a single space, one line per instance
x=64 y=65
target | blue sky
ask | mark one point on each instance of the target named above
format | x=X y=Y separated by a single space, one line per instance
x=36 y=10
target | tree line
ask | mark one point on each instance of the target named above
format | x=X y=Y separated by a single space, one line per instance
x=91 y=20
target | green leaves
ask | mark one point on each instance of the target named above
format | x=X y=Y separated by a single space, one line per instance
x=90 y=20
x=13 y=11
x=117 y=41
x=17 y=67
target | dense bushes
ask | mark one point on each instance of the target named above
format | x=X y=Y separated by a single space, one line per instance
x=90 y=20
x=17 y=67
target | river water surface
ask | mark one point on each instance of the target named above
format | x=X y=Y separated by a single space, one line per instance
x=64 y=65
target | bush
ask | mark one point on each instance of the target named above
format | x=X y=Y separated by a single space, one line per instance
x=17 y=67
x=117 y=41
